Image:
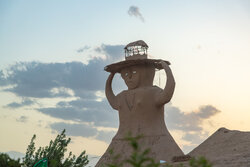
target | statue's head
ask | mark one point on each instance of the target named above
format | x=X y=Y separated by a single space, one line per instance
x=136 y=76
x=137 y=70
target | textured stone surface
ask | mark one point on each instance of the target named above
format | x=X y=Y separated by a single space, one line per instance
x=224 y=148
x=162 y=148
x=229 y=148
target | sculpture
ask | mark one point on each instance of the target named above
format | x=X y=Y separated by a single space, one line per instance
x=141 y=107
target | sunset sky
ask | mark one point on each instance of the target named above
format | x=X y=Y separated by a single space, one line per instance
x=52 y=55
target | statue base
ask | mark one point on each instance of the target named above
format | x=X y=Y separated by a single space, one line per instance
x=162 y=147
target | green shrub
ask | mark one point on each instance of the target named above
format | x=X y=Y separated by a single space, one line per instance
x=54 y=152
x=6 y=161
x=199 y=162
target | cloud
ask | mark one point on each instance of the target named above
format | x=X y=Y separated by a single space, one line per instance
x=40 y=79
x=192 y=121
x=75 y=129
x=90 y=111
x=84 y=130
x=2 y=78
x=195 y=137
x=84 y=82
x=48 y=80
x=190 y=124
x=207 y=111
x=105 y=136
x=112 y=52
x=82 y=49
x=25 y=102
x=134 y=11
x=15 y=155
x=22 y=119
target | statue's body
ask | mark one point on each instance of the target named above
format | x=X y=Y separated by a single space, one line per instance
x=138 y=106
x=141 y=107
x=141 y=112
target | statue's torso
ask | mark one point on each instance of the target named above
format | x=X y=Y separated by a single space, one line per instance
x=139 y=114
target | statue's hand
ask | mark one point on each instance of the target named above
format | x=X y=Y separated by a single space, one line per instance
x=164 y=64
x=111 y=76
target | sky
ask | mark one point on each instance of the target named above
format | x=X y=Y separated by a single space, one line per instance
x=52 y=55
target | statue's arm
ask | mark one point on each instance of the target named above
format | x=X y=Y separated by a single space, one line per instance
x=112 y=99
x=166 y=95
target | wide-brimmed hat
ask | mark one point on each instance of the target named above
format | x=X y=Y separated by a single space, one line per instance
x=135 y=54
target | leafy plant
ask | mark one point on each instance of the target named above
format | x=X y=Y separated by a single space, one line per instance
x=54 y=152
x=139 y=157
x=199 y=162
x=6 y=161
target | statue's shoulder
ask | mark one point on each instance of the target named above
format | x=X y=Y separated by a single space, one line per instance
x=156 y=88
x=121 y=93
x=152 y=90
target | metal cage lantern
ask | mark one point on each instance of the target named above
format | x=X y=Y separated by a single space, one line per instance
x=136 y=50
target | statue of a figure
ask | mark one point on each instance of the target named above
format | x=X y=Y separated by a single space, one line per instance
x=141 y=107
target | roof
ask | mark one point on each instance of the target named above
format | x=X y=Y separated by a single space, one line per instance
x=116 y=67
x=226 y=148
x=137 y=43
